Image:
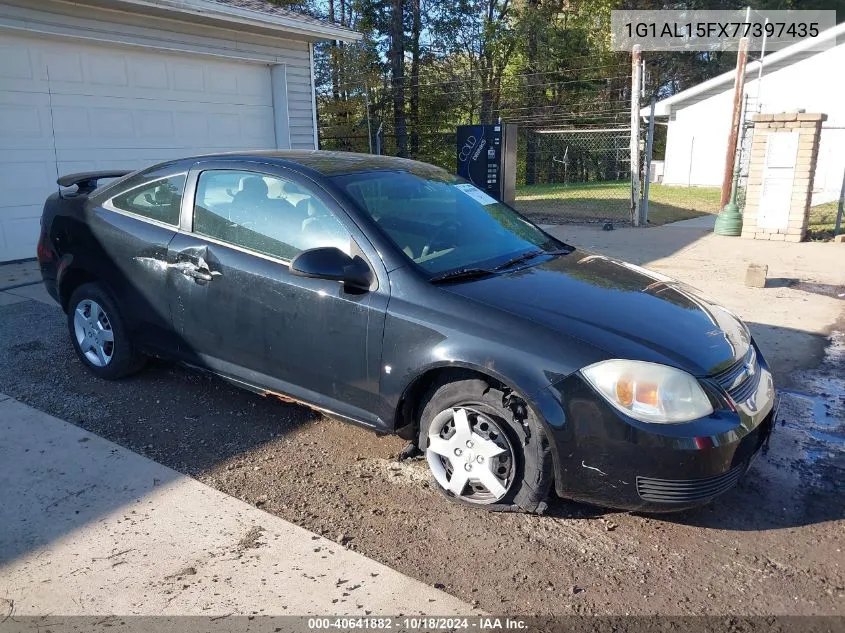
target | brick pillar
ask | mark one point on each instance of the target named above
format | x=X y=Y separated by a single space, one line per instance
x=765 y=216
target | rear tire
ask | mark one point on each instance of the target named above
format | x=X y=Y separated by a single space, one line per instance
x=99 y=335
x=506 y=439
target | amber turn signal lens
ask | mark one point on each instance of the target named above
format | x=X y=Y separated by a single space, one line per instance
x=647 y=394
x=625 y=391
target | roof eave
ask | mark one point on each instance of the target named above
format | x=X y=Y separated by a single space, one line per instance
x=208 y=11
x=664 y=107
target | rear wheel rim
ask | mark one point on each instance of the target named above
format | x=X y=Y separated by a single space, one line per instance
x=470 y=455
x=93 y=331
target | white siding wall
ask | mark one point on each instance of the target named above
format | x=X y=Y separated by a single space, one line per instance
x=697 y=142
x=698 y=132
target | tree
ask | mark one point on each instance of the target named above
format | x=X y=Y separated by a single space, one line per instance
x=396 y=54
x=416 y=27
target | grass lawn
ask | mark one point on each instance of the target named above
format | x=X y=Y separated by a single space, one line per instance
x=595 y=202
x=822 y=220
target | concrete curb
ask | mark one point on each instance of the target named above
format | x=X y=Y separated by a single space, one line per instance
x=91 y=528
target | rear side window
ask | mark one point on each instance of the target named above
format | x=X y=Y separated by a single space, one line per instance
x=158 y=200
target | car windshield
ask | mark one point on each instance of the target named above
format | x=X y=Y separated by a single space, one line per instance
x=443 y=223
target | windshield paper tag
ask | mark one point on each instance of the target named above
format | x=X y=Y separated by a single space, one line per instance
x=476 y=194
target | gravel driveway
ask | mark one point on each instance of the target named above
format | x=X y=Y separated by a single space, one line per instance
x=771 y=546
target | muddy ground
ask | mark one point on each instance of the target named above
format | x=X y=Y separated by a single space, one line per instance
x=774 y=545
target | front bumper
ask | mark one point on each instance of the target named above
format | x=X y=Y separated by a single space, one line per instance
x=606 y=458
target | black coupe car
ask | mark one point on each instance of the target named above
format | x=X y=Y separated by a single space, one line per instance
x=392 y=294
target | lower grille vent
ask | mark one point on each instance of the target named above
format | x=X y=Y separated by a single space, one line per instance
x=686 y=490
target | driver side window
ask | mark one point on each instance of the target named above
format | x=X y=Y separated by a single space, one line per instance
x=263 y=213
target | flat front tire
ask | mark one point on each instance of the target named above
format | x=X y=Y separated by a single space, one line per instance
x=98 y=333
x=484 y=447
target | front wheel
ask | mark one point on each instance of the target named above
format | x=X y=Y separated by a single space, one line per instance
x=99 y=335
x=484 y=447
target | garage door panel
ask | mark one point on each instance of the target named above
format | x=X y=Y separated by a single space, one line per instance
x=70 y=106
x=154 y=124
x=190 y=126
x=109 y=71
x=151 y=74
x=20 y=122
x=105 y=69
x=26 y=182
x=114 y=129
x=16 y=232
x=70 y=160
x=16 y=64
x=120 y=123
x=64 y=66
x=24 y=121
x=72 y=166
x=71 y=123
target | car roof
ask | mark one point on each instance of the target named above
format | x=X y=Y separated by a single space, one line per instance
x=330 y=163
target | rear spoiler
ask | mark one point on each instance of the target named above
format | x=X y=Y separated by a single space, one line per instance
x=86 y=181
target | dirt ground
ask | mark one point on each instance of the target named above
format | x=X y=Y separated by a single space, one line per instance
x=773 y=545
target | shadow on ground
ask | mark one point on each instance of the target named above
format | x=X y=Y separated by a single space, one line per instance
x=599 y=211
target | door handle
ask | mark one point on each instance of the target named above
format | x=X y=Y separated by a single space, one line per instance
x=198 y=271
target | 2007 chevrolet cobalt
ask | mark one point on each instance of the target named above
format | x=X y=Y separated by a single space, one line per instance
x=392 y=294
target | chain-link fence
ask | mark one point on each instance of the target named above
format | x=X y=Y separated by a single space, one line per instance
x=574 y=175
x=746 y=132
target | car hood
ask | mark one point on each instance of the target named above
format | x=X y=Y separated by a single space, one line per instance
x=627 y=311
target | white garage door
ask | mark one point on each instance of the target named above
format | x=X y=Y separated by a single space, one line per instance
x=67 y=106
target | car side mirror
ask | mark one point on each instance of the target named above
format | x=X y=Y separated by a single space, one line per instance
x=329 y=262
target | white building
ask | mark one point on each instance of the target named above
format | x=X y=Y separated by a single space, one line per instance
x=97 y=84
x=797 y=77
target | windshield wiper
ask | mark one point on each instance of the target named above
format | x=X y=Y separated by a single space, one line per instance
x=524 y=257
x=461 y=274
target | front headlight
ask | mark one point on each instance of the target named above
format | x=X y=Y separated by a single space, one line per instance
x=649 y=392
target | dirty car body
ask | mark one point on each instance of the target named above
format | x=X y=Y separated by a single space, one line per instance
x=337 y=280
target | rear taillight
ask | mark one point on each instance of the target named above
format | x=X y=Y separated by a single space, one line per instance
x=43 y=251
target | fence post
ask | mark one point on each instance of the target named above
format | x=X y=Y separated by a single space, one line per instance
x=649 y=146
x=369 y=125
x=636 y=70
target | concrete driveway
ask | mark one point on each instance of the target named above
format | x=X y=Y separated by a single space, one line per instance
x=90 y=528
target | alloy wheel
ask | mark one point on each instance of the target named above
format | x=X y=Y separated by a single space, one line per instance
x=93 y=332
x=470 y=455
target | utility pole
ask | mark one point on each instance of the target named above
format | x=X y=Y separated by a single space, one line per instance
x=636 y=80
x=739 y=86
x=729 y=220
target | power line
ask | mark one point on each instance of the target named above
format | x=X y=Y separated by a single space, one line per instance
x=358 y=83
x=583 y=109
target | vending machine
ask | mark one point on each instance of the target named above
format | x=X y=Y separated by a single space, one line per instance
x=487 y=158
